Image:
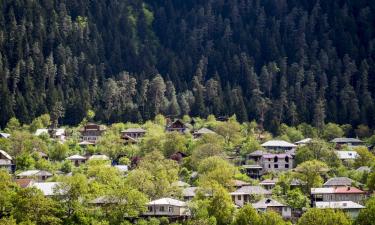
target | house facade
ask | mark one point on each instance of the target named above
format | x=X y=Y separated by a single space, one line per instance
x=177 y=126
x=167 y=207
x=269 y=204
x=350 y=208
x=91 y=132
x=350 y=142
x=134 y=133
x=37 y=175
x=5 y=161
x=278 y=145
x=248 y=194
x=330 y=194
x=77 y=160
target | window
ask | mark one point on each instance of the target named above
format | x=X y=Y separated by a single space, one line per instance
x=239 y=197
x=161 y=209
x=287 y=159
x=150 y=208
x=276 y=166
x=286 y=165
x=170 y=209
x=269 y=165
x=269 y=160
x=275 y=159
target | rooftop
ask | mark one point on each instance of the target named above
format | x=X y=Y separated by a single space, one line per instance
x=267 y=202
x=339 y=181
x=278 y=143
x=4 y=135
x=346 y=140
x=167 y=201
x=303 y=141
x=5 y=154
x=134 y=130
x=30 y=173
x=76 y=157
x=204 y=131
x=339 y=205
x=269 y=182
x=251 y=190
x=338 y=190
x=48 y=188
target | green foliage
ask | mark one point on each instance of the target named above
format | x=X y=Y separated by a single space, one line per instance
x=310 y=172
x=365 y=157
x=296 y=199
x=174 y=142
x=291 y=133
x=246 y=215
x=324 y=216
x=332 y=131
x=367 y=215
x=216 y=169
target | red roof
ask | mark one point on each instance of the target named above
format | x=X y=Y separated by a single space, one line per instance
x=348 y=190
x=24 y=182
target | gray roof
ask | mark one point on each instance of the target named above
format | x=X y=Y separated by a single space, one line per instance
x=134 y=130
x=204 y=131
x=278 y=143
x=339 y=181
x=189 y=191
x=30 y=173
x=346 y=140
x=267 y=202
x=251 y=190
x=76 y=157
x=364 y=169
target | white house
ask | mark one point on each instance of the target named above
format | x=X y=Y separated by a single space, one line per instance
x=168 y=207
x=349 y=207
x=278 y=145
x=346 y=155
x=270 y=204
x=5 y=161
x=49 y=189
x=328 y=194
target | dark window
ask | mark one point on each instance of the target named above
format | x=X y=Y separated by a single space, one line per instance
x=276 y=159
x=170 y=209
x=150 y=208
x=276 y=166
x=287 y=159
x=269 y=165
x=161 y=208
x=286 y=165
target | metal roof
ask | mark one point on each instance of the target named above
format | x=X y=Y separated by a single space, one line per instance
x=278 y=143
x=251 y=190
x=167 y=201
x=339 y=181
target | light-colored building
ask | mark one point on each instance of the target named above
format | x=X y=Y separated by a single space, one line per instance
x=49 y=189
x=278 y=145
x=277 y=162
x=247 y=194
x=91 y=132
x=38 y=175
x=270 y=204
x=4 y=135
x=269 y=184
x=57 y=133
x=350 y=208
x=303 y=142
x=167 y=207
x=203 y=131
x=329 y=194
x=5 y=161
x=346 y=155
x=134 y=133
x=98 y=157
x=77 y=160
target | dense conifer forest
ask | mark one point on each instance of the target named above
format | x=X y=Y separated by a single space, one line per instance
x=275 y=61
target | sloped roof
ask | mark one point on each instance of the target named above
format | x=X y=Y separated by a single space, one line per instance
x=30 y=173
x=167 y=201
x=5 y=154
x=122 y=168
x=339 y=205
x=339 y=181
x=278 y=143
x=189 y=191
x=346 y=140
x=251 y=190
x=41 y=131
x=240 y=183
x=267 y=202
x=85 y=143
x=4 y=135
x=338 y=190
x=204 y=131
x=303 y=141
x=24 y=182
x=269 y=182
x=134 y=130
x=76 y=157
x=364 y=169
x=98 y=157
x=48 y=188
x=180 y=184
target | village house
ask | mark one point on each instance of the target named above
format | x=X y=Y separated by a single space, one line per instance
x=340 y=182
x=203 y=131
x=177 y=126
x=269 y=184
x=328 y=194
x=303 y=142
x=4 y=135
x=24 y=182
x=55 y=133
x=254 y=171
x=247 y=194
x=5 y=161
x=168 y=207
x=91 y=132
x=133 y=133
x=98 y=157
x=37 y=175
x=188 y=193
x=270 y=204
x=77 y=160
x=49 y=189
x=350 y=142
x=277 y=162
x=346 y=155
x=278 y=145
x=350 y=208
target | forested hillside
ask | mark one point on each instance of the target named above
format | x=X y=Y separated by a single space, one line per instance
x=271 y=60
